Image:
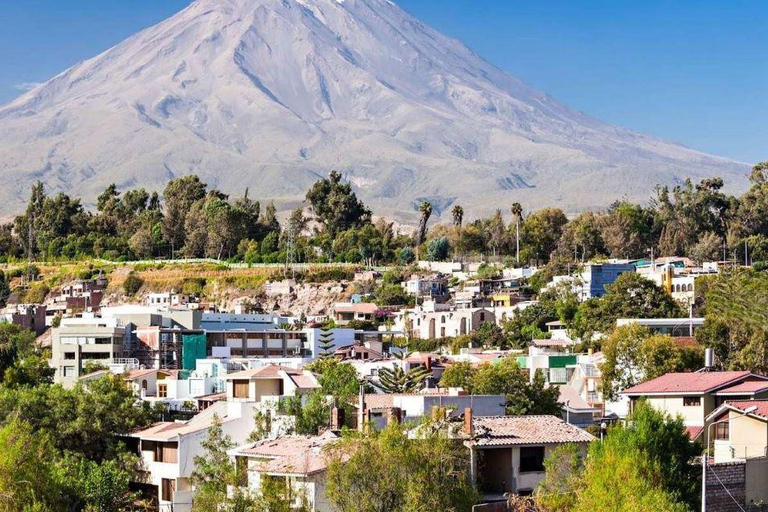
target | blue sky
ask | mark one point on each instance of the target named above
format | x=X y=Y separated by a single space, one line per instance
x=690 y=71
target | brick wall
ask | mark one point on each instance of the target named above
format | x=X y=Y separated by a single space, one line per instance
x=730 y=476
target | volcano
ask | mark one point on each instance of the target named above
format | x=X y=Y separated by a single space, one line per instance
x=273 y=94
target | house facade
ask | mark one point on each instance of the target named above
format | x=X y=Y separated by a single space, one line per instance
x=508 y=452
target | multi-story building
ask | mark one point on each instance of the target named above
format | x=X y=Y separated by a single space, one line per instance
x=432 y=320
x=168 y=449
x=80 y=340
x=27 y=316
x=693 y=396
x=593 y=278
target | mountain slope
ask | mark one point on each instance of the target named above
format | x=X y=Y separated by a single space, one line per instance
x=272 y=94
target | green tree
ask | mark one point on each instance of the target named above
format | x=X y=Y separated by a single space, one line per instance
x=425 y=211
x=337 y=378
x=95 y=487
x=630 y=296
x=311 y=412
x=406 y=256
x=541 y=231
x=438 y=249
x=392 y=471
x=336 y=206
x=392 y=295
x=633 y=355
x=326 y=343
x=27 y=480
x=517 y=218
x=397 y=380
x=5 y=290
x=179 y=196
x=458 y=375
x=132 y=284
x=30 y=371
x=214 y=470
x=457 y=214
x=643 y=465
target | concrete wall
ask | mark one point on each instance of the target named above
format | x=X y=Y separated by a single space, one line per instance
x=673 y=405
x=748 y=439
x=757 y=480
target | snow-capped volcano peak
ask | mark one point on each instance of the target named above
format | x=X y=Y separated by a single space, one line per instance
x=272 y=94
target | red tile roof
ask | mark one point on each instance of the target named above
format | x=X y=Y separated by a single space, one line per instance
x=305 y=381
x=522 y=430
x=366 y=308
x=271 y=371
x=748 y=387
x=137 y=374
x=743 y=405
x=376 y=401
x=296 y=455
x=552 y=343
x=693 y=432
x=689 y=383
x=570 y=398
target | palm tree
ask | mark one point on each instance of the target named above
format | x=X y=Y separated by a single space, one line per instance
x=397 y=380
x=458 y=220
x=458 y=216
x=517 y=215
x=425 y=209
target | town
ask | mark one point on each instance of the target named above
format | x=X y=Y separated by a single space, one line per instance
x=211 y=383
x=383 y=256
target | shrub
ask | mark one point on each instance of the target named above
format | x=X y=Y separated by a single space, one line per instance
x=406 y=256
x=132 y=284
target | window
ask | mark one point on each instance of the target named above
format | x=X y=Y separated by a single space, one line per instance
x=162 y=390
x=722 y=431
x=69 y=371
x=531 y=459
x=167 y=488
x=170 y=453
x=482 y=317
x=691 y=401
x=240 y=388
x=69 y=355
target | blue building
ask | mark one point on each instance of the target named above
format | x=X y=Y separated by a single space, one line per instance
x=596 y=276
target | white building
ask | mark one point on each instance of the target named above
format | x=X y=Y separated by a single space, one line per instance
x=298 y=461
x=168 y=449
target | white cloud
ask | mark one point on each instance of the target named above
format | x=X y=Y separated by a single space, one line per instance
x=26 y=86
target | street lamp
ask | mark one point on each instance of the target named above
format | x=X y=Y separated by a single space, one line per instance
x=746 y=411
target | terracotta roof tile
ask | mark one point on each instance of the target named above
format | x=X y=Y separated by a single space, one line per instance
x=298 y=455
x=271 y=371
x=552 y=343
x=699 y=382
x=376 y=401
x=520 y=430
x=366 y=308
x=693 y=432
x=748 y=387
x=305 y=381
x=743 y=405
